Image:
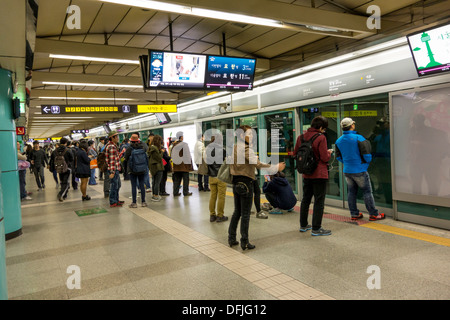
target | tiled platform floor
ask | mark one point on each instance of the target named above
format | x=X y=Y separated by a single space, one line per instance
x=170 y=251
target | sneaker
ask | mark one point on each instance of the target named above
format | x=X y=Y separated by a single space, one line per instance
x=275 y=211
x=380 y=216
x=28 y=198
x=164 y=194
x=156 y=198
x=354 y=218
x=304 y=229
x=207 y=189
x=212 y=218
x=320 y=232
x=133 y=205
x=222 y=219
x=144 y=204
x=266 y=206
x=148 y=190
x=262 y=215
x=188 y=194
x=115 y=205
x=290 y=210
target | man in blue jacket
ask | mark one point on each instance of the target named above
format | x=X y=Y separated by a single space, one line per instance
x=354 y=151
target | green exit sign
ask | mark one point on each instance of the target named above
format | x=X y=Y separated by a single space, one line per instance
x=355 y=107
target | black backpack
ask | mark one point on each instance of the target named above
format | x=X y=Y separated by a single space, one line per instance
x=305 y=159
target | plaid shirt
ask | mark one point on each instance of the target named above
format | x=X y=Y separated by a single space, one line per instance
x=112 y=157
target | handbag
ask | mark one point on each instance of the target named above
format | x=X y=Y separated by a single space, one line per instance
x=23 y=165
x=203 y=168
x=224 y=174
x=94 y=164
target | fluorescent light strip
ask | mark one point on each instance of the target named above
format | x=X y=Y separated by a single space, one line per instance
x=91 y=84
x=206 y=13
x=70 y=57
x=80 y=98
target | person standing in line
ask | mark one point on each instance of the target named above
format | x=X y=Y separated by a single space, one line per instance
x=199 y=151
x=73 y=147
x=101 y=144
x=167 y=169
x=61 y=160
x=156 y=165
x=22 y=175
x=136 y=178
x=92 y=155
x=218 y=187
x=243 y=176
x=83 y=170
x=354 y=151
x=52 y=169
x=39 y=161
x=315 y=184
x=113 y=162
x=182 y=165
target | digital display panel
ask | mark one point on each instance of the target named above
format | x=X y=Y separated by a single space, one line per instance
x=431 y=50
x=176 y=70
x=230 y=73
x=163 y=118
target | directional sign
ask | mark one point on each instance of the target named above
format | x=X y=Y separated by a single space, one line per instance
x=64 y=109
x=124 y=109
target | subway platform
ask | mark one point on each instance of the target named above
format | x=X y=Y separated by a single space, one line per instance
x=171 y=251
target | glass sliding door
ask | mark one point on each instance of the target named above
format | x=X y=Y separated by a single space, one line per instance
x=335 y=194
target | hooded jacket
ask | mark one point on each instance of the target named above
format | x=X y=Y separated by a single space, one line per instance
x=280 y=187
x=354 y=151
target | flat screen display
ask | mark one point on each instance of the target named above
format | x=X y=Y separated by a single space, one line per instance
x=176 y=70
x=230 y=73
x=431 y=50
x=163 y=118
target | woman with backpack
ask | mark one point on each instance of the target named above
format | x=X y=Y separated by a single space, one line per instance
x=83 y=170
x=156 y=166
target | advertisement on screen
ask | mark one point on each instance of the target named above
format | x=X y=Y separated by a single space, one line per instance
x=176 y=70
x=230 y=73
x=431 y=50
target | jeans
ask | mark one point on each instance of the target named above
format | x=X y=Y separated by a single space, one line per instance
x=114 y=187
x=135 y=179
x=257 y=195
x=243 y=198
x=318 y=189
x=39 y=175
x=176 y=178
x=156 y=181
x=200 y=179
x=361 y=181
x=64 y=183
x=22 y=183
x=218 y=192
x=92 y=178
x=147 y=179
x=162 y=185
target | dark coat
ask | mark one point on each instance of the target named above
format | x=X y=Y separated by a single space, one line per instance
x=83 y=162
x=280 y=187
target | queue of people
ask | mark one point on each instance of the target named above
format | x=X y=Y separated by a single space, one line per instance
x=152 y=160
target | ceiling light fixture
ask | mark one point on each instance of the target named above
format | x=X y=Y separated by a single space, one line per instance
x=70 y=57
x=206 y=13
x=91 y=84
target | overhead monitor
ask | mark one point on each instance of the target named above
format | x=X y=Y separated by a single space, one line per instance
x=176 y=70
x=430 y=49
x=163 y=118
x=230 y=73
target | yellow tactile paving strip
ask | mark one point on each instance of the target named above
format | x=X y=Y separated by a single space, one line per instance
x=274 y=282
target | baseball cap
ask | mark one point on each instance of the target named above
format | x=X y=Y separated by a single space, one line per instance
x=179 y=134
x=347 y=122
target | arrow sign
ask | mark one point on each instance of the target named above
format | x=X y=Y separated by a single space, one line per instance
x=46 y=109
